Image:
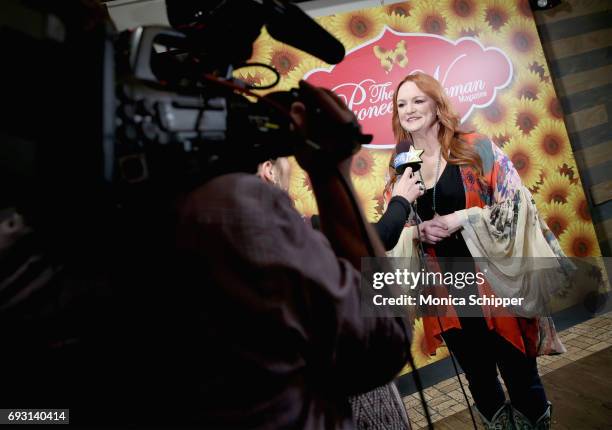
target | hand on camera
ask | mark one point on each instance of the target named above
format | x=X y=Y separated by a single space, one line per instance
x=325 y=123
x=433 y=230
x=407 y=186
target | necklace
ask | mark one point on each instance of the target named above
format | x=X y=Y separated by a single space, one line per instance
x=435 y=181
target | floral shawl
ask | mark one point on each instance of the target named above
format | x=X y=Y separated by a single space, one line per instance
x=500 y=220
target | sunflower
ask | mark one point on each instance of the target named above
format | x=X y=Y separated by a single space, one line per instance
x=251 y=75
x=558 y=216
x=255 y=76
x=357 y=27
x=524 y=9
x=262 y=48
x=418 y=347
x=381 y=172
x=490 y=39
x=398 y=23
x=527 y=85
x=521 y=42
x=549 y=101
x=552 y=143
x=305 y=203
x=541 y=70
x=325 y=21
x=400 y=9
x=497 y=118
x=308 y=64
x=527 y=115
x=364 y=166
x=462 y=13
x=570 y=170
x=579 y=206
x=456 y=30
x=498 y=12
x=419 y=350
x=284 y=58
x=368 y=201
x=300 y=190
x=556 y=188
x=383 y=157
x=501 y=139
x=426 y=17
x=299 y=180
x=524 y=159
x=579 y=240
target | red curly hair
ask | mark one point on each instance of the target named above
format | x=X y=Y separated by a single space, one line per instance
x=454 y=149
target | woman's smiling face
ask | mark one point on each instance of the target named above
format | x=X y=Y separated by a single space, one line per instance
x=416 y=110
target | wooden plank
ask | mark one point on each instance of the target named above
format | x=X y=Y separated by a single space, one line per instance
x=604 y=230
x=591 y=136
x=575 y=26
x=601 y=192
x=581 y=62
x=582 y=81
x=578 y=44
x=606 y=248
x=584 y=99
x=580 y=393
x=594 y=155
x=453 y=422
x=571 y=9
x=586 y=118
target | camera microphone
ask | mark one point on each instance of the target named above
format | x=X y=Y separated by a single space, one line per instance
x=291 y=25
x=226 y=29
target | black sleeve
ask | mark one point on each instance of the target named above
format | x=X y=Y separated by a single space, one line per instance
x=390 y=225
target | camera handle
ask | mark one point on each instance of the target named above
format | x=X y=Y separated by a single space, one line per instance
x=141 y=47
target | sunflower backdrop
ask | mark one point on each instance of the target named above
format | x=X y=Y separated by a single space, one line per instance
x=523 y=115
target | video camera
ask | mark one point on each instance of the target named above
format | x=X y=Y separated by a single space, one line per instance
x=155 y=106
x=181 y=115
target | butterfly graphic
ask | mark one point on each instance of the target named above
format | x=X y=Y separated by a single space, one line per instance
x=389 y=57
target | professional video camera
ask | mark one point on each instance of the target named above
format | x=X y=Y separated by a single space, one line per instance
x=155 y=105
x=181 y=116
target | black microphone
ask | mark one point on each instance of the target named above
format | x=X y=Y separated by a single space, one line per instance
x=288 y=23
x=226 y=29
x=407 y=159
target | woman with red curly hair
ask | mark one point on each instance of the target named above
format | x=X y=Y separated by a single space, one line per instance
x=475 y=206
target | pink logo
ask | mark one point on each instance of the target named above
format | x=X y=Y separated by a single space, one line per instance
x=470 y=74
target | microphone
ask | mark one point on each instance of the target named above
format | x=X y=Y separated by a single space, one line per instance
x=411 y=158
x=290 y=24
x=227 y=37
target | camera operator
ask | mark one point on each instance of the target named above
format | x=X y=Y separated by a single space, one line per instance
x=287 y=342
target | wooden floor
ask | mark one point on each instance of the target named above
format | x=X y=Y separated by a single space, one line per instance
x=581 y=394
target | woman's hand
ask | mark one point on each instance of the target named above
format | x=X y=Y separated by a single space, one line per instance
x=407 y=187
x=452 y=221
x=433 y=230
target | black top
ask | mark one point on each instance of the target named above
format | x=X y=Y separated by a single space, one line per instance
x=450 y=197
x=452 y=253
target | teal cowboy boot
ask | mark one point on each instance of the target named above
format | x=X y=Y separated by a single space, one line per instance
x=502 y=419
x=521 y=422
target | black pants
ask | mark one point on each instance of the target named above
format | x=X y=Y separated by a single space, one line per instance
x=480 y=352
